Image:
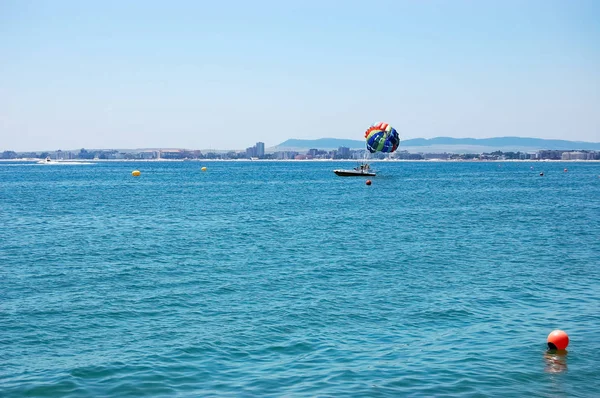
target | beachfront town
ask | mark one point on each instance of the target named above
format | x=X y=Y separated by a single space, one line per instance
x=257 y=152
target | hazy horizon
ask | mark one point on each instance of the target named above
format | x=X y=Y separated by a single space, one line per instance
x=193 y=74
x=285 y=145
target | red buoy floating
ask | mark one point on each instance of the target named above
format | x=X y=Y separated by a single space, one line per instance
x=558 y=340
x=368 y=182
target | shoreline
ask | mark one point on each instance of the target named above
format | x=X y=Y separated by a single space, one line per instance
x=89 y=161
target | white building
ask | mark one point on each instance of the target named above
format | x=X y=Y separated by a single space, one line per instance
x=574 y=156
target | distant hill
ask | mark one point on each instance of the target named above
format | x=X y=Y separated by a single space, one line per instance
x=533 y=143
x=448 y=144
x=321 y=143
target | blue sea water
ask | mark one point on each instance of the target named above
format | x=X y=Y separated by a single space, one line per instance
x=282 y=279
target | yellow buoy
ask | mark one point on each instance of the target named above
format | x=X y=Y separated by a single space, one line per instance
x=203 y=169
x=136 y=173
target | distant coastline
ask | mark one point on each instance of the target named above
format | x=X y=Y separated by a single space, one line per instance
x=448 y=144
x=440 y=148
x=90 y=161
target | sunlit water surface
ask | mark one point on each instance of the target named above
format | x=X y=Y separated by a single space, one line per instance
x=282 y=279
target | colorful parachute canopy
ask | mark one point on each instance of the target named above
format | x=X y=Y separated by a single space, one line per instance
x=381 y=137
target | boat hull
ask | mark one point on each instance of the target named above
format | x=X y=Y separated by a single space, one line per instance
x=353 y=173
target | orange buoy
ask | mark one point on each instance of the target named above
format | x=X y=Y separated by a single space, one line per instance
x=558 y=340
x=368 y=182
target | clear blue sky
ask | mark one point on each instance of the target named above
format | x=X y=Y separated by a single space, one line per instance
x=225 y=74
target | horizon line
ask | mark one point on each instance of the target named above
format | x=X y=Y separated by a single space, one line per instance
x=289 y=139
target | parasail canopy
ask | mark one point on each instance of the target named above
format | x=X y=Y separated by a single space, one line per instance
x=381 y=137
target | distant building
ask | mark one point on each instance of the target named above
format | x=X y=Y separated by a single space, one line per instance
x=404 y=155
x=550 y=154
x=359 y=154
x=575 y=156
x=441 y=156
x=260 y=149
x=171 y=154
x=251 y=152
x=343 y=152
x=285 y=155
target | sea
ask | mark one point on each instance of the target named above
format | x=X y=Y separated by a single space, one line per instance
x=280 y=279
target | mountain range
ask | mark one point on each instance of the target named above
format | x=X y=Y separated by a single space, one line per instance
x=447 y=144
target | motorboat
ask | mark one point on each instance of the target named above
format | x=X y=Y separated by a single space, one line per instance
x=363 y=170
x=46 y=161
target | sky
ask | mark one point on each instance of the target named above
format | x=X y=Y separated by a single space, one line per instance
x=225 y=74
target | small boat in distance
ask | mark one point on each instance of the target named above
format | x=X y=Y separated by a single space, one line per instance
x=363 y=170
x=50 y=161
x=46 y=161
